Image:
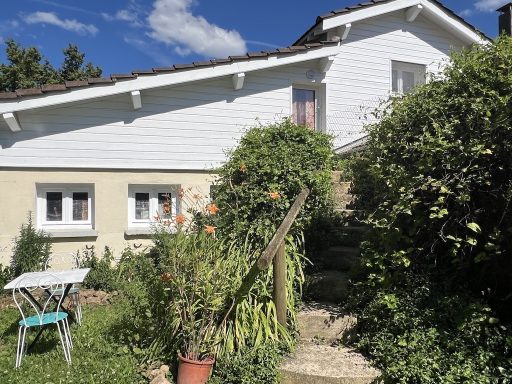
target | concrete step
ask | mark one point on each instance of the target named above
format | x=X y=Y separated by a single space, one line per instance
x=322 y=364
x=350 y=236
x=340 y=258
x=342 y=190
x=324 y=322
x=327 y=286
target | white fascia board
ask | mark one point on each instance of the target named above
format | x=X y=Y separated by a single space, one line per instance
x=432 y=11
x=366 y=13
x=163 y=80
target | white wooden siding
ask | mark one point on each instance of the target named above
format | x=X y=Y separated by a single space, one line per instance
x=190 y=127
x=360 y=77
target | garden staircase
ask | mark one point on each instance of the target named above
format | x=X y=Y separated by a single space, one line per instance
x=320 y=356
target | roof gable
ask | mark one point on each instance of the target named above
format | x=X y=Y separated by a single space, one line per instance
x=433 y=9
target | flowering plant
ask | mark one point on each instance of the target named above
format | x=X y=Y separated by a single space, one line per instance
x=198 y=278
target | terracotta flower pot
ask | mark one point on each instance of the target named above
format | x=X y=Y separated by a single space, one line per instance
x=194 y=371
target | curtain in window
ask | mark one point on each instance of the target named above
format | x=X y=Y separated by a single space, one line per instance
x=304 y=108
x=54 y=206
x=142 y=206
x=80 y=206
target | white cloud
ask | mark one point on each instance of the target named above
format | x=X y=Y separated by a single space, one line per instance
x=172 y=22
x=490 y=5
x=466 y=12
x=67 y=24
x=131 y=14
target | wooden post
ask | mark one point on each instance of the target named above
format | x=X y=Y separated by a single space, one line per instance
x=280 y=284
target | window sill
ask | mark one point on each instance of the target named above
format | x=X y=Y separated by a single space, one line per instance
x=142 y=231
x=71 y=233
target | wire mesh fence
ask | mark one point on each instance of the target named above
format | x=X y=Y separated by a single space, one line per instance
x=347 y=124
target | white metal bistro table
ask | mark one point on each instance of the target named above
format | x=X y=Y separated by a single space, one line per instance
x=31 y=279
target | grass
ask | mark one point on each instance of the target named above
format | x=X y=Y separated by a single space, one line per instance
x=97 y=356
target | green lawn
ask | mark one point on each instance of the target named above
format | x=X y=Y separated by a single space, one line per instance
x=96 y=357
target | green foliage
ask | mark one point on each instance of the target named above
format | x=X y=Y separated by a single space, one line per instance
x=198 y=280
x=31 y=251
x=436 y=305
x=103 y=274
x=73 y=67
x=27 y=68
x=280 y=158
x=417 y=334
x=250 y=365
x=5 y=275
x=443 y=158
x=97 y=358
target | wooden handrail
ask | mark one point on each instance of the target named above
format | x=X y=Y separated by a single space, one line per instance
x=276 y=247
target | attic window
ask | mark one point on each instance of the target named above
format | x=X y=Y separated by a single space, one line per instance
x=406 y=76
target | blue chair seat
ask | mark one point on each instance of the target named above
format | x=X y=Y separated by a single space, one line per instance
x=48 y=318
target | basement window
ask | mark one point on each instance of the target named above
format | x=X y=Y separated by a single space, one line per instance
x=406 y=76
x=149 y=203
x=67 y=206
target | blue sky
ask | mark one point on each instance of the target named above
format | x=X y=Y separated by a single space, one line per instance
x=123 y=35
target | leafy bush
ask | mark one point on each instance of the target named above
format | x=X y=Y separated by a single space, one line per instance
x=264 y=175
x=250 y=365
x=31 y=251
x=103 y=274
x=437 y=303
x=443 y=155
x=418 y=334
x=5 y=275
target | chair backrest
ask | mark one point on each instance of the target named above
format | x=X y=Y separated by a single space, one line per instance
x=34 y=295
x=62 y=261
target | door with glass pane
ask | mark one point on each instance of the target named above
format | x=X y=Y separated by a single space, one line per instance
x=304 y=107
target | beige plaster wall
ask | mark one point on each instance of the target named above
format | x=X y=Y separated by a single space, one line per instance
x=18 y=197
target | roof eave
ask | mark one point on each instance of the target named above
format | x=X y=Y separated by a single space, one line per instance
x=168 y=79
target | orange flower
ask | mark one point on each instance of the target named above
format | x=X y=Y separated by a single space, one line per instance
x=274 y=195
x=166 y=277
x=181 y=192
x=209 y=229
x=243 y=168
x=180 y=219
x=212 y=208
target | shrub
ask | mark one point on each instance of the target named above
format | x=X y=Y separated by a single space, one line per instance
x=264 y=175
x=103 y=274
x=31 y=251
x=250 y=365
x=436 y=304
x=5 y=275
x=443 y=155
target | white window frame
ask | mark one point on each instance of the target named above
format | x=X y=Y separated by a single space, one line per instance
x=319 y=103
x=153 y=190
x=67 y=191
x=403 y=66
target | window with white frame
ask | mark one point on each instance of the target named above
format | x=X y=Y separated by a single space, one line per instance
x=406 y=76
x=305 y=106
x=148 y=203
x=65 y=206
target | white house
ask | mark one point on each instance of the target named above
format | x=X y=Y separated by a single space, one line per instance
x=93 y=159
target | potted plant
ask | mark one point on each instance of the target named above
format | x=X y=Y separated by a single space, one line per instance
x=199 y=284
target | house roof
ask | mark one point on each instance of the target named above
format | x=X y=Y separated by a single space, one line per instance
x=114 y=78
x=373 y=3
